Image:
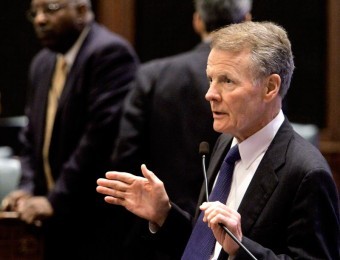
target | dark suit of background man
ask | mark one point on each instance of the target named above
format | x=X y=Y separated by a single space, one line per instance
x=283 y=202
x=100 y=64
x=165 y=115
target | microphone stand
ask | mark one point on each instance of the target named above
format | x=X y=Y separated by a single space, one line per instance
x=237 y=241
x=221 y=225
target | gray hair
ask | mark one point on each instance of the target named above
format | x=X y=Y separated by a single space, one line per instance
x=269 y=45
x=218 y=13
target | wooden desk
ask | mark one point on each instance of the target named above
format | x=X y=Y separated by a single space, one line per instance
x=18 y=240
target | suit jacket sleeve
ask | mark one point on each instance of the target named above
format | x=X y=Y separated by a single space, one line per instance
x=174 y=234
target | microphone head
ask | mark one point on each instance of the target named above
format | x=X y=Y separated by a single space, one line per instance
x=204 y=148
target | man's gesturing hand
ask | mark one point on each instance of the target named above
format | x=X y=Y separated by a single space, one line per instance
x=143 y=196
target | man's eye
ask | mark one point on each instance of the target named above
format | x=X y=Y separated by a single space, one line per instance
x=226 y=80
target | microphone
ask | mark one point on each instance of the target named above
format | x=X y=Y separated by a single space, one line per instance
x=204 y=150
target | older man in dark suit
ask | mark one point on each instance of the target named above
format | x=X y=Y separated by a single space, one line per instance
x=61 y=160
x=278 y=197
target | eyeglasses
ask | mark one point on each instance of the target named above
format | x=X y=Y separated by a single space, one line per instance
x=48 y=10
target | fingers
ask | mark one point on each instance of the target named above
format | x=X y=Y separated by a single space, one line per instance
x=216 y=212
x=152 y=178
x=116 y=180
x=114 y=200
x=34 y=209
x=110 y=184
x=9 y=203
x=115 y=184
x=111 y=191
x=5 y=204
x=26 y=212
x=123 y=177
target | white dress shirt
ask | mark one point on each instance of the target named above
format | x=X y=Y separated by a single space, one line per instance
x=252 y=151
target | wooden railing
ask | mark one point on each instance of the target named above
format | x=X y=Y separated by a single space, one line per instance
x=19 y=240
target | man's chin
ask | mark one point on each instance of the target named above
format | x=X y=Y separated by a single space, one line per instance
x=218 y=128
x=50 y=46
x=45 y=42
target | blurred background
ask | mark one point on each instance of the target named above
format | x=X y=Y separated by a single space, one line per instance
x=162 y=28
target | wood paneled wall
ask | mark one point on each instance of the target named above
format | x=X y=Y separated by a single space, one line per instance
x=119 y=16
x=332 y=132
x=330 y=138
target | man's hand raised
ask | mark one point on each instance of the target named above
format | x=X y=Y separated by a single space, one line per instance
x=145 y=196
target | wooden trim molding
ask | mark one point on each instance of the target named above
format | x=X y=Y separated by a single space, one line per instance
x=330 y=137
x=118 y=16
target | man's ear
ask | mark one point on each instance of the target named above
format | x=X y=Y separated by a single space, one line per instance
x=248 y=17
x=273 y=85
x=198 y=23
x=82 y=11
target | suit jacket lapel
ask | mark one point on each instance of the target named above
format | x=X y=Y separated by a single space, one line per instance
x=42 y=87
x=74 y=72
x=265 y=179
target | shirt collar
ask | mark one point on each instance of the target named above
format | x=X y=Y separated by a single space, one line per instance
x=70 y=56
x=259 y=142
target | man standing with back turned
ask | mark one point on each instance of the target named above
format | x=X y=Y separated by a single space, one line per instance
x=78 y=83
x=277 y=197
x=169 y=93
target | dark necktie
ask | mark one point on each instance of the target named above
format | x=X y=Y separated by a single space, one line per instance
x=202 y=241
